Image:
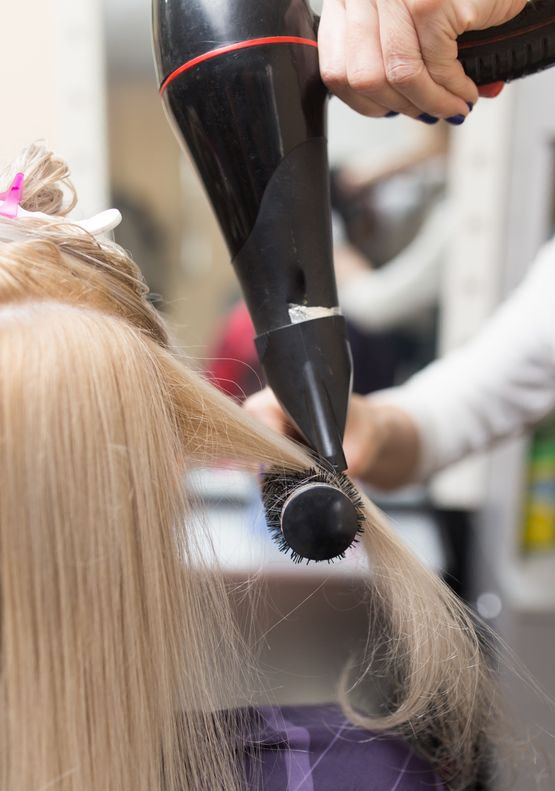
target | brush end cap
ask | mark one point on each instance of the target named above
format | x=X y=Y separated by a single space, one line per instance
x=319 y=522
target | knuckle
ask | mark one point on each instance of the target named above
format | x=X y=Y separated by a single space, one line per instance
x=333 y=76
x=467 y=17
x=401 y=72
x=423 y=9
x=367 y=80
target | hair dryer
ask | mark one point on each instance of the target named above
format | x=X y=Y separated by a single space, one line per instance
x=241 y=82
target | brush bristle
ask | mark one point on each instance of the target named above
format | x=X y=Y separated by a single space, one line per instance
x=278 y=485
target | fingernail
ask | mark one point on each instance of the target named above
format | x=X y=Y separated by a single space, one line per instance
x=470 y=106
x=428 y=119
x=391 y=114
x=456 y=120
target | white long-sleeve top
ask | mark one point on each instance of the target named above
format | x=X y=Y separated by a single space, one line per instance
x=500 y=382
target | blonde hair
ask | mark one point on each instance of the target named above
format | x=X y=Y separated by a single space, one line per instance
x=116 y=634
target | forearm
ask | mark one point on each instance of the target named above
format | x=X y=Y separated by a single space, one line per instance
x=501 y=382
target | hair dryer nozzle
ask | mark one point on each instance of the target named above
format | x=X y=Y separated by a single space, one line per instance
x=308 y=366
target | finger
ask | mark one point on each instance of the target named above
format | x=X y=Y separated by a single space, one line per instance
x=448 y=72
x=263 y=397
x=365 y=67
x=355 y=464
x=264 y=407
x=361 y=104
x=437 y=36
x=333 y=67
x=405 y=69
x=358 y=451
x=360 y=442
x=331 y=45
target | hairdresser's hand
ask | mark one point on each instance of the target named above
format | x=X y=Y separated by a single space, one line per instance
x=381 y=442
x=400 y=56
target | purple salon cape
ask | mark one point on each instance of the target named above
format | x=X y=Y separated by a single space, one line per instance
x=314 y=748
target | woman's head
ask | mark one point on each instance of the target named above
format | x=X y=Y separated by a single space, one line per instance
x=116 y=635
x=115 y=632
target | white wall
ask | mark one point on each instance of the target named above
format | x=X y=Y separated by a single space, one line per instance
x=52 y=88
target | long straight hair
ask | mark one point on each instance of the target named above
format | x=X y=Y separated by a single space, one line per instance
x=116 y=634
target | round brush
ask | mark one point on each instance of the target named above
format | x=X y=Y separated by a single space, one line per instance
x=314 y=514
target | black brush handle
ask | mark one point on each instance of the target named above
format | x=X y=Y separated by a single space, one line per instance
x=523 y=46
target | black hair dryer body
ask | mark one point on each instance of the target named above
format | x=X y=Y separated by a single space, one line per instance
x=240 y=79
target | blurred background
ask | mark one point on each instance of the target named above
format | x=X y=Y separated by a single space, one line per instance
x=433 y=227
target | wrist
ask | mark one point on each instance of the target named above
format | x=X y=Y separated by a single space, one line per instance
x=397 y=442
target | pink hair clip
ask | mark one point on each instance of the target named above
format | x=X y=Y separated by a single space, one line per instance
x=12 y=198
x=10 y=207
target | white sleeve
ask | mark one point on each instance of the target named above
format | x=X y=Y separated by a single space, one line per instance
x=496 y=385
